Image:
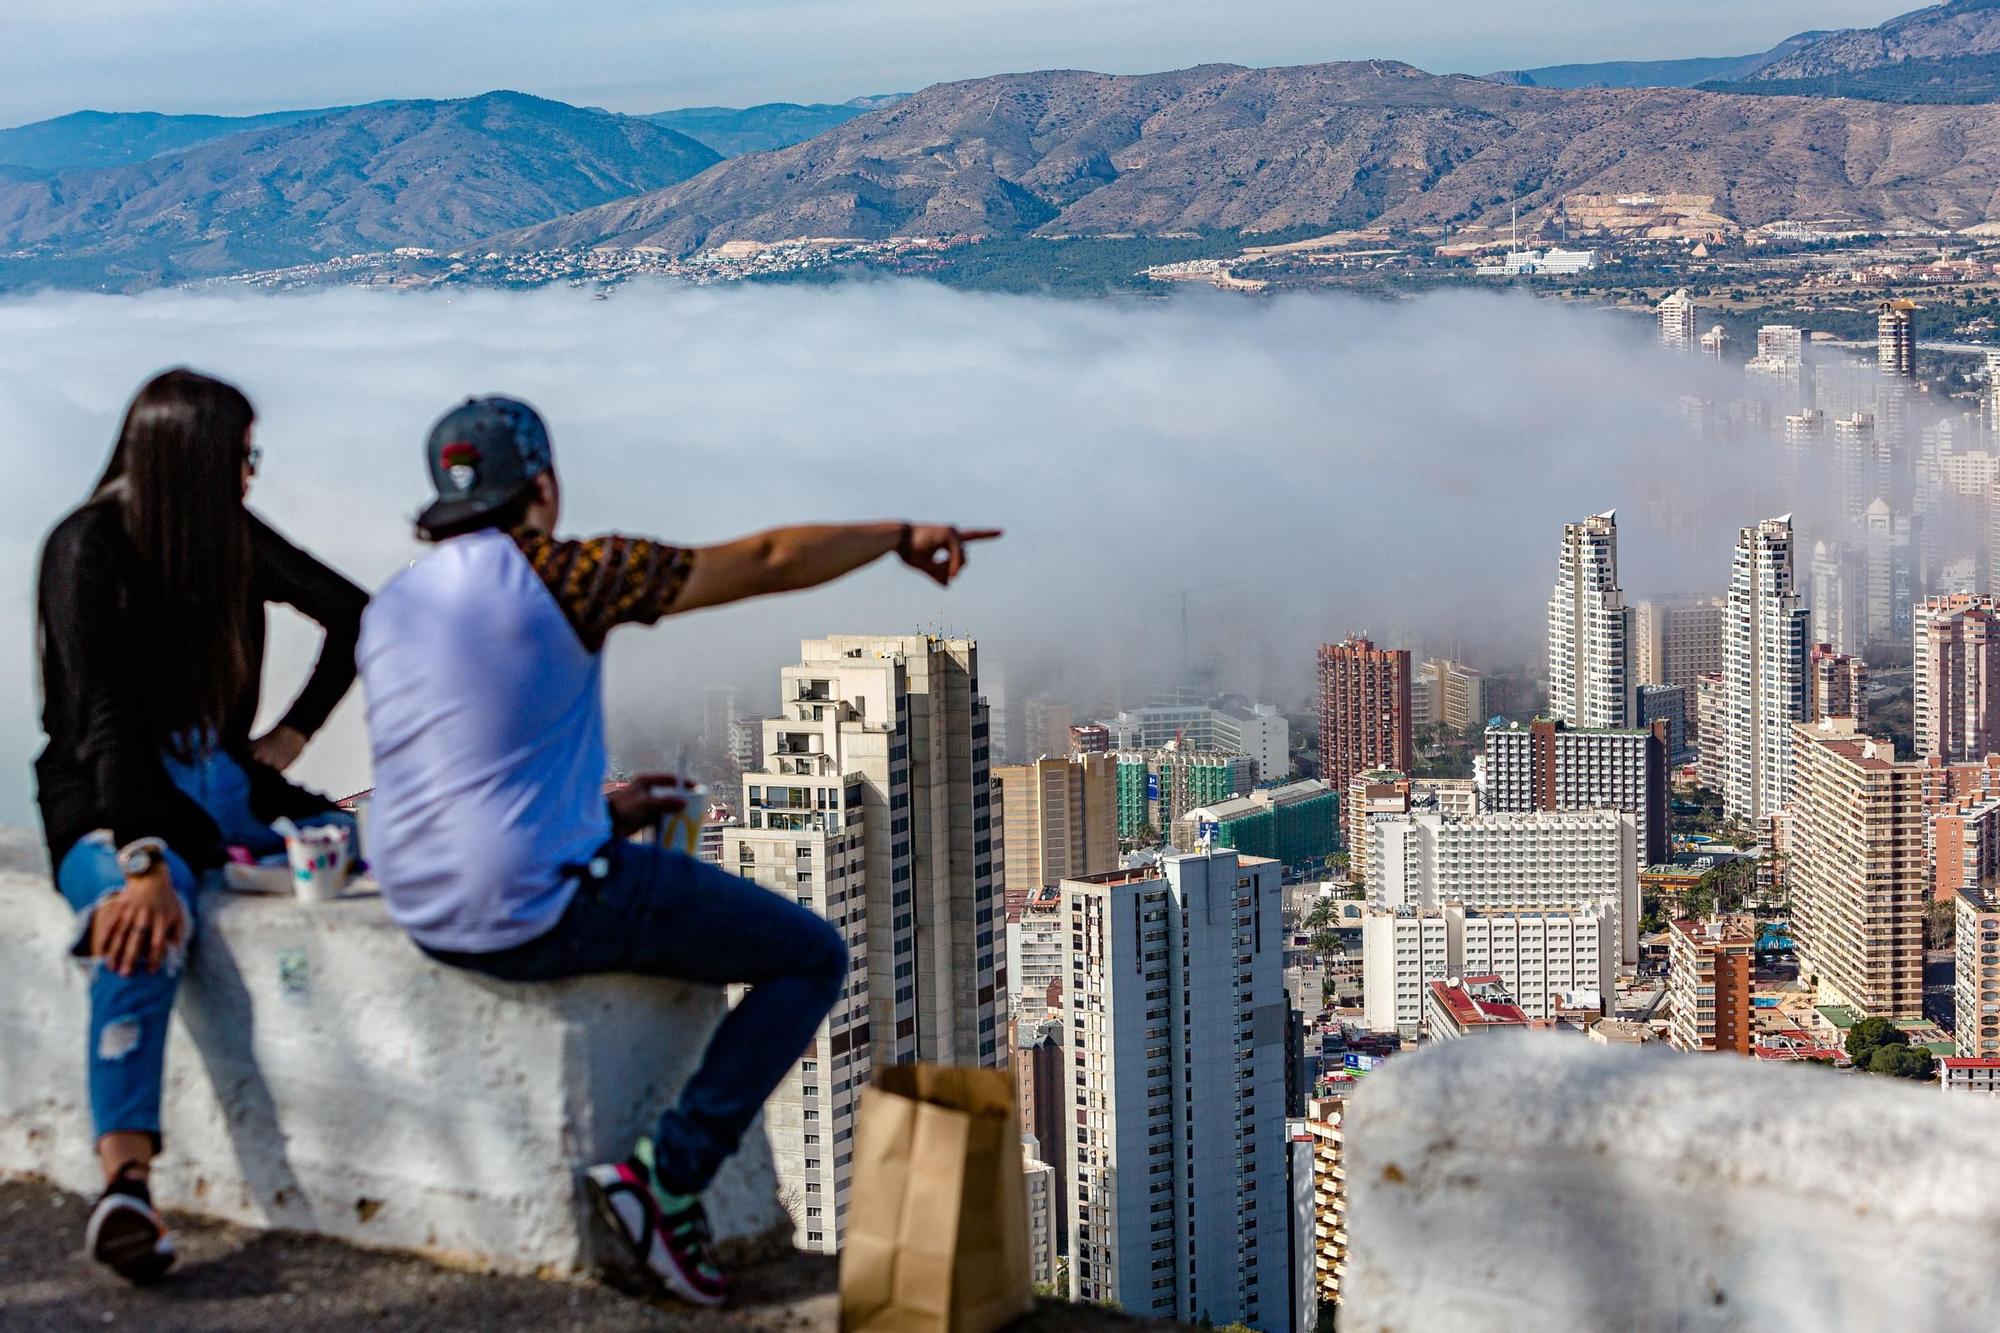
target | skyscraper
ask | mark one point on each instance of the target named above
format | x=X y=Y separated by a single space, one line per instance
x=1837 y=582
x=873 y=808
x=1859 y=870
x=1676 y=315
x=1540 y=860
x=1547 y=765
x=1993 y=392
x=1157 y=787
x=1675 y=642
x=1676 y=639
x=1708 y=985
x=1896 y=339
x=911 y=721
x=1839 y=684
x=1955 y=677
x=1178 y=1206
x=811 y=845
x=1805 y=440
x=1059 y=820
x=1893 y=554
x=1364 y=710
x=1461 y=693
x=1590 y=629
x=1780 y=353
x=1765 y=634
x=1858 y=468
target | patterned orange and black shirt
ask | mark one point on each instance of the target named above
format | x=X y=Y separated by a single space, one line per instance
x=603 y=582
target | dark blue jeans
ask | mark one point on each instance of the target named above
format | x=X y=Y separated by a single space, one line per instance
x=666 y=914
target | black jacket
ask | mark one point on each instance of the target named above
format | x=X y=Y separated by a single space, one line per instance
x=101 y=768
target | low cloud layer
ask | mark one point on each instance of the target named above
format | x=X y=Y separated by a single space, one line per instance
x=1307 y=466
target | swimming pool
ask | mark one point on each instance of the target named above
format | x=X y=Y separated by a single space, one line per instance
x=1764 y=1001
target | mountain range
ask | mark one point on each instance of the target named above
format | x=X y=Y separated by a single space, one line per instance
x=87 y=139
x=1941 y=53
x=1264 y=150
x=135 y=200
x=425 y=174
x=733 y=131
x=1684 y=73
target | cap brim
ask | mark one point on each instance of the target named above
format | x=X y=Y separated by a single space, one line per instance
x=451 y=513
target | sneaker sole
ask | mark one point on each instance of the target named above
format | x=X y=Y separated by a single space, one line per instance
x=628 y=1271
x=128 y=1245
x=637 y=1277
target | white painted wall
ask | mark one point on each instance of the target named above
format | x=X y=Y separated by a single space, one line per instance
x=325 y=1076
x=1693 y=1192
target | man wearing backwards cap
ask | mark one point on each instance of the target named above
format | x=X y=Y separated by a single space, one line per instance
x=489 y=831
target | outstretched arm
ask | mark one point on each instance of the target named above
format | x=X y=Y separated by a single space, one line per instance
x=788 y=559
x=610 y=581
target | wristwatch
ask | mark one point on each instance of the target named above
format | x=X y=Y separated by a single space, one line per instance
x=140 y=856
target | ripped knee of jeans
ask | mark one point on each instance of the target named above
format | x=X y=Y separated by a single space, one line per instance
x=118 y=1039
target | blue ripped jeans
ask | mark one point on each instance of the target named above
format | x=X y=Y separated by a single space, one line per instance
x=129 y=1015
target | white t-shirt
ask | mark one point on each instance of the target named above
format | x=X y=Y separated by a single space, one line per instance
x=486 y=717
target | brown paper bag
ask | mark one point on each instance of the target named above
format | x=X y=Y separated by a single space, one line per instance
x=937 y=1208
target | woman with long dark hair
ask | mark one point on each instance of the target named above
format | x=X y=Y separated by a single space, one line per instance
x=152 y=604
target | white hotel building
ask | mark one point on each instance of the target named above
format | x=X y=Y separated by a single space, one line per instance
x=1591 y=676
x=1178 y=1207
x=874 y=808
x=1539 y=956
x=1536 y=861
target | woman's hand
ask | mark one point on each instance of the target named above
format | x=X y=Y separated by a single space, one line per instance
x=278 y=748
x=138 y=924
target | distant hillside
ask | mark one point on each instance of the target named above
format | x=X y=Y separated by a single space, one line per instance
x=1656 y=73
x=1962 y=79
x=431 y=174
x=1323 y=146
x=86 y=139
x=733 y=131
x=1946 y=53
x=1938 y=32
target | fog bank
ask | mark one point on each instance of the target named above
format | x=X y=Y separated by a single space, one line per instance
x=1308 y=465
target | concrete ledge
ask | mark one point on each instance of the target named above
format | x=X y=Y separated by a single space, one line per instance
x=1536 y=1182
x=324 y=1076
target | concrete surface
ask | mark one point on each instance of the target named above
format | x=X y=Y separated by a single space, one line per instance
x=326 y=1077
x=232 y=1280
x=1533 y=1181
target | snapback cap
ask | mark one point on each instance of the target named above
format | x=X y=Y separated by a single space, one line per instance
x=482 y=455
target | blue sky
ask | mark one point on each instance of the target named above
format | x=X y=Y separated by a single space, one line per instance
x=235 y=56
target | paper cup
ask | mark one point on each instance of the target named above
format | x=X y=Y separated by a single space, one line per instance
x=319 y=859
x=682 y=831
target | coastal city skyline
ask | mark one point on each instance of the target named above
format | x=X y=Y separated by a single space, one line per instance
x=1128 y=667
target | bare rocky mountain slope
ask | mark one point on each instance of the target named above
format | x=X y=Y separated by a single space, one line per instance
x=1336 y=145
x=1939 y=32
x=418 y=173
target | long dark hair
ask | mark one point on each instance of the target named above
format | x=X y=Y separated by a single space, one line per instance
x=177 y=473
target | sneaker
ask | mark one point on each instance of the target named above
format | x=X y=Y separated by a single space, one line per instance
x=666 y=1235
x=126 y=1235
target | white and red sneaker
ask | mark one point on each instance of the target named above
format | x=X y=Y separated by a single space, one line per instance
x=665 y=1235
x=126 y=1235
